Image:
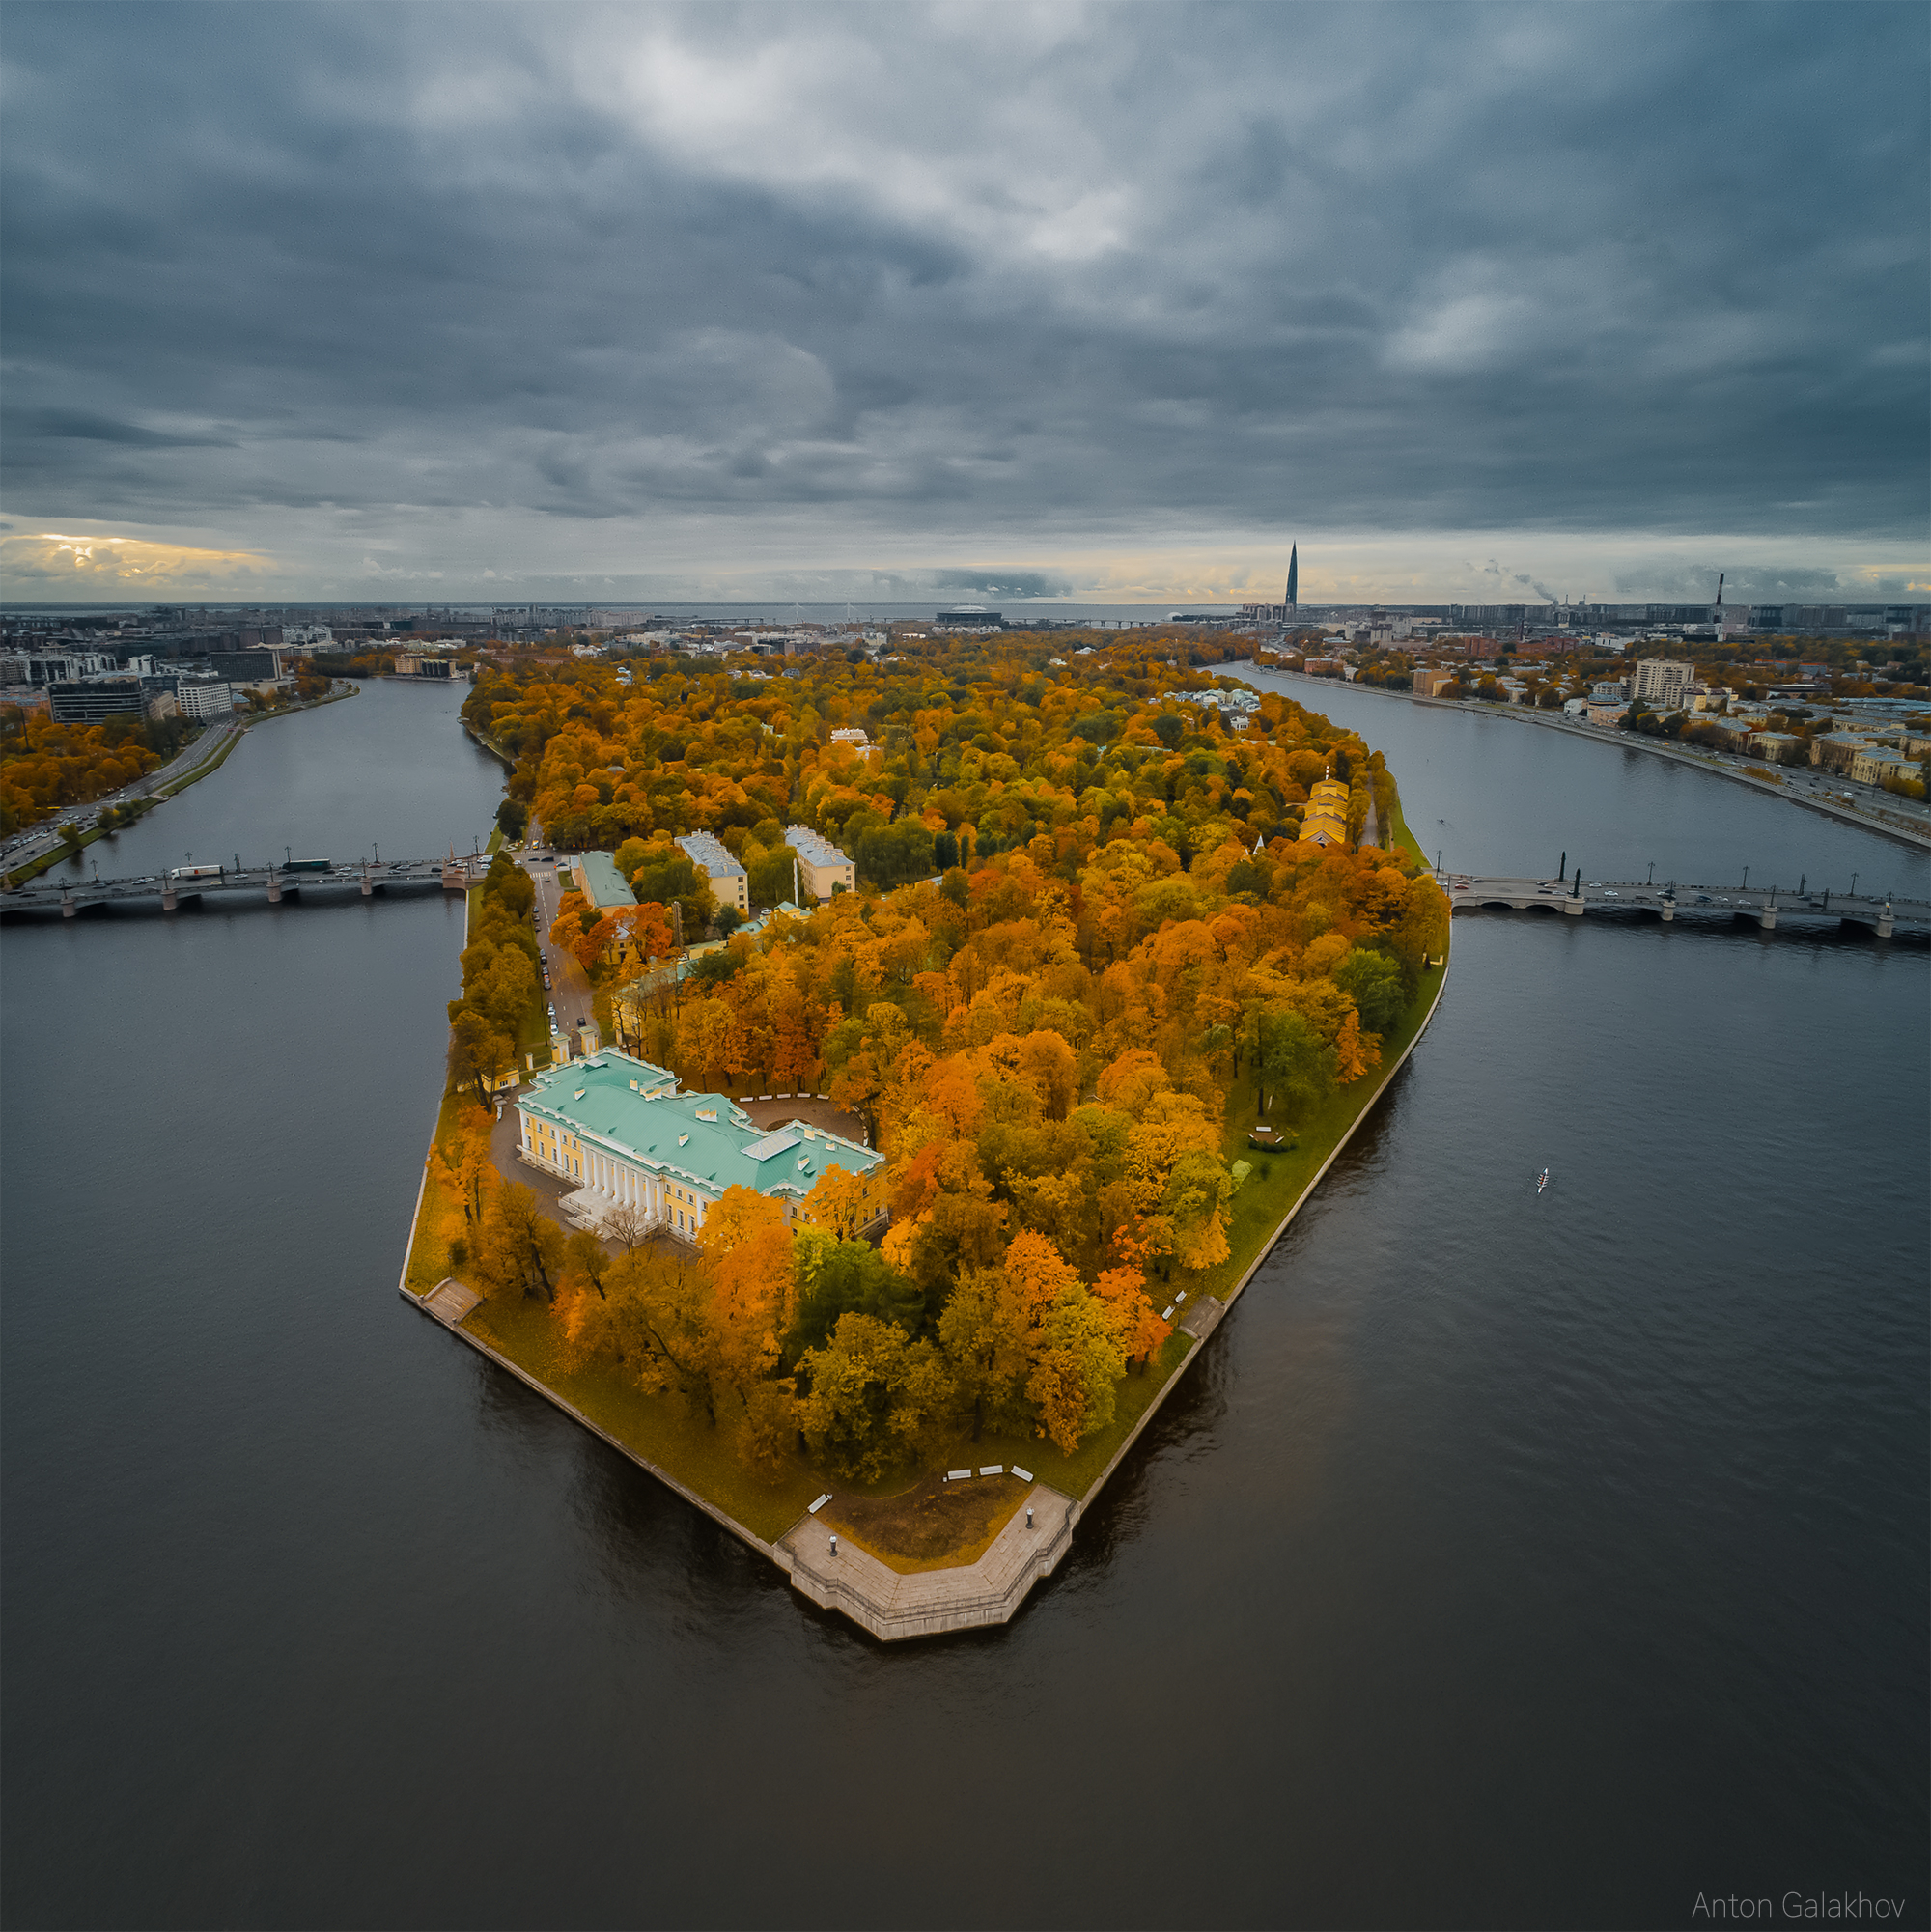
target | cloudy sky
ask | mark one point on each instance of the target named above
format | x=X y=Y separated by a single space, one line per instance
x=1095 y=302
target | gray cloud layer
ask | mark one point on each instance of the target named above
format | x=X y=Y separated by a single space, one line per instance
x=957 y=282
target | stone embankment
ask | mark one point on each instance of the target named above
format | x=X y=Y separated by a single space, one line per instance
x=1871 y=818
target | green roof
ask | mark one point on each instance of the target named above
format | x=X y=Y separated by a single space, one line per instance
x=631 y=1109
x=602 y=884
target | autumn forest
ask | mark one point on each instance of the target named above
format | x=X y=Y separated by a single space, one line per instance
x=1083 y=922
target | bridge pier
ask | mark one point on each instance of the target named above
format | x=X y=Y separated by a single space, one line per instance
x=67 y=907
x=169 y=903
x=274 y=890
x=368 y=890
x=1767 y=918
x=1574 y=907
x=1669 y=910
x=1885 y=922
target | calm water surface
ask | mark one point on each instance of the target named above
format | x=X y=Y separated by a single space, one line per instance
x=1506 y=1561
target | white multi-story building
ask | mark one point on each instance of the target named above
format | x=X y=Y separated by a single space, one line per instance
x=1665 y=682
x=204 y=697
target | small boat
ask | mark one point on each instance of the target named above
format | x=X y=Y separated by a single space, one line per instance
x=1542 y=1180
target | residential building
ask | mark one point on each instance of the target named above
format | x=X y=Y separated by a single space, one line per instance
x=414 y=664
x=600 y=883
x=1779 y=747
x=1429 y=683
x=1664 y=683
x=1882 y=762
x=823 y=869
x=1609 y=714
x=620 y=1129
x=725 y=877
x=1838 y=750
x=853 y=735
x=1611 y=691
x=1324 y=819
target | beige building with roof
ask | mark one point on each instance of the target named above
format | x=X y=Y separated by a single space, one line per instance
x=823 y=869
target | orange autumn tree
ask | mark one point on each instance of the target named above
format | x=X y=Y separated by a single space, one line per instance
x=838 y=1205
x=1086 y=943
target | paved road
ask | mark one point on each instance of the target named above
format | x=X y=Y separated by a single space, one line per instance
x=45 y=837
x=569 y=983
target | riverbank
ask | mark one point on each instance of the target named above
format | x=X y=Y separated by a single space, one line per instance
x=697 y=1461
x=1901 y=831
x=210 y=751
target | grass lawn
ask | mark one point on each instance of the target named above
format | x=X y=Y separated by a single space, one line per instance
x=1278 y=1179
x=440 y=1215
x=933 y=1526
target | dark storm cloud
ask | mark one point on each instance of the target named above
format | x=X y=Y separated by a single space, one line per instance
x=1017 y=275
x=992 y=581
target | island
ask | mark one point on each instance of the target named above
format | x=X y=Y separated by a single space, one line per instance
x=965 y=1026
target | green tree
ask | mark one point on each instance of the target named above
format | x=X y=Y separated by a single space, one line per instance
x=1375 y=983
x=1078 y=1357
x=834 y=1278
x=1297 y=1068
x=874 y=1396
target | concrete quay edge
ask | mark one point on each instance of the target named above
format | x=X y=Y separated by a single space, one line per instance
x=893 y=1605
x=570 y=1409
x=1267 y=1246
x=871 y=1601
x=1625 y=740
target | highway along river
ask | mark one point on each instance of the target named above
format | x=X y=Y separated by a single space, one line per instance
x=1508 y=1560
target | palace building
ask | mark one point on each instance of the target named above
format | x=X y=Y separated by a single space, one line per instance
x=619 y=1128
x=1325 y=819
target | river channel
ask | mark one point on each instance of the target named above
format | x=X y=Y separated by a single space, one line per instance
x=1506 y=1560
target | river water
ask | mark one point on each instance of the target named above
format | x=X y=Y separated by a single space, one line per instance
x=1506 y=1561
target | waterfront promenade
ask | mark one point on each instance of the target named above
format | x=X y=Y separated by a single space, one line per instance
x=1905 y=819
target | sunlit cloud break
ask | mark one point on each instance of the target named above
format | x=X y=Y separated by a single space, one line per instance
x=47 y=559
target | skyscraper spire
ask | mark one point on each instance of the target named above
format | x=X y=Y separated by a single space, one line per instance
x=1293 y=579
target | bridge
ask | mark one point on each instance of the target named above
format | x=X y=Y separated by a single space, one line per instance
x=1764 y=908
x=243 y=885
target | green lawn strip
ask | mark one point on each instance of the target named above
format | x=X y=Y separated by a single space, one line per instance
x=429 y=1260
x=1278 y=1179
x=206 y=765
x=1406 y=838
x=678 y=1440
x=59 y=856
x=1133 y=1394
